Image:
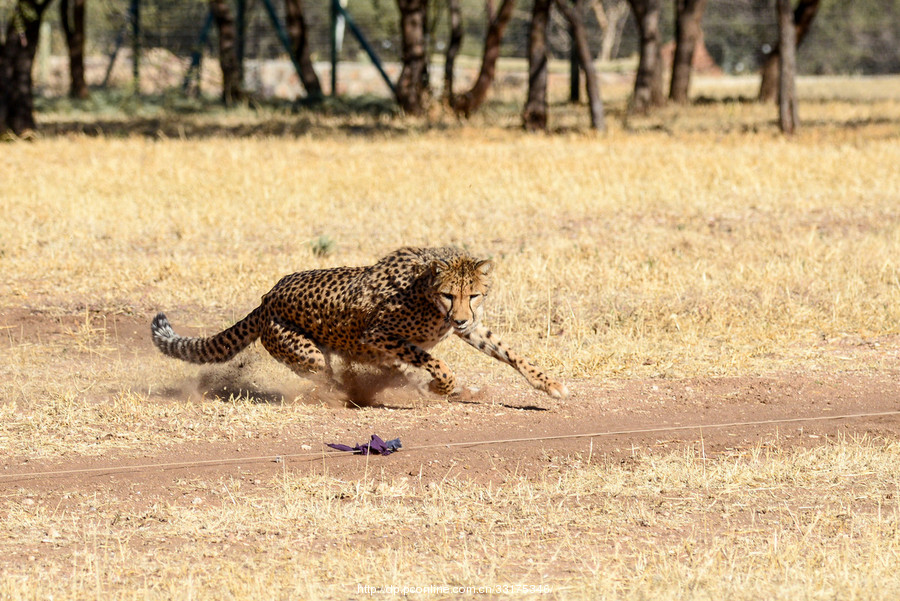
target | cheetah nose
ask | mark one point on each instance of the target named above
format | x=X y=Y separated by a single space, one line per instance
x=460 y=323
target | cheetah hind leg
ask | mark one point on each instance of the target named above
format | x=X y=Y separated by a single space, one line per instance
x=289 y=345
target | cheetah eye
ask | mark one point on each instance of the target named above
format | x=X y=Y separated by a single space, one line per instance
x=446 y=296
x=474 y=296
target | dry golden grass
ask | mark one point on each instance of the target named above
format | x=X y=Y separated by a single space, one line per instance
x=695 y=242
x=627 y=254
x=754 y=524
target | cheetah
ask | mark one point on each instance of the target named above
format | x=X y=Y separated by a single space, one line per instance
x=388 y=315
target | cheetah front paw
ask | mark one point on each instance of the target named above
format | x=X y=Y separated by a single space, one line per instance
x=557 y=390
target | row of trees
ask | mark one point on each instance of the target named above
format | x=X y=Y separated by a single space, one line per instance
x=412 y=90
x=848 y=37
x=18 y=45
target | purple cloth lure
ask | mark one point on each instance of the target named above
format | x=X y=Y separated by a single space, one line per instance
x=376 y=445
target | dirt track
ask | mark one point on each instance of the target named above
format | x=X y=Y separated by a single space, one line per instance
x=601 y=420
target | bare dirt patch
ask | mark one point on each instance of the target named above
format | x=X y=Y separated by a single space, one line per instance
x=502 y=430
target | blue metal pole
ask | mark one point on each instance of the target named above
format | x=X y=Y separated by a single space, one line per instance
x=335 y=7
x=358 y=34
x=282 y=35
x=197 y=54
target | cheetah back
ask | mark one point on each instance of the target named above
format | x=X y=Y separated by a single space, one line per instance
x=337 y=307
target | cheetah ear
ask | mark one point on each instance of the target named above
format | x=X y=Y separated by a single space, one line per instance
x=484 y=267
x=438 y=266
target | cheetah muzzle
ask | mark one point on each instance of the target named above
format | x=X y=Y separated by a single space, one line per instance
x=388 y=314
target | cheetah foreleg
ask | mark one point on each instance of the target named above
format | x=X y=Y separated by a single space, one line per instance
x=443 y=381
x=489 y=343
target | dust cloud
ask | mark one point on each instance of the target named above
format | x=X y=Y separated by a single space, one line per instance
x=264 y=382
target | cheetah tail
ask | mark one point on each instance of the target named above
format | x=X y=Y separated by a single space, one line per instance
x=213 y=349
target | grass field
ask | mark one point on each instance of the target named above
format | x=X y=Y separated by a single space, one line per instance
x=694 y=243
x=757 y=524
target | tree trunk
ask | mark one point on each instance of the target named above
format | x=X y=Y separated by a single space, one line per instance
x=456 y=35
x=574 y=64
x=648 y=84
x=17 y=50
x=534 y=117
x=688 y=32
x=611 y=21
x=803 y=17
x=468 y=103
x=412 y=87
x=232 y=84
x=298 y=34
x=74 y=31
x=768 y=85
x=787 y=48
x=573 y=15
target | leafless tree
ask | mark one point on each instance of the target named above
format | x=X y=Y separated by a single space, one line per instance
x=73 y=28
x=412 y=86
x=17 y=49
x=467 y=103
x=534 y=117
x=648 y=84
x=688 y=31
x=232 y=75
x=453 y=45
x=611 y=17
x=298 y=32
x=573 y=15
x=787 y=88
x=803 y=18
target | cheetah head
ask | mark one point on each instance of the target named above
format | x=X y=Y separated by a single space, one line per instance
x=458 y=290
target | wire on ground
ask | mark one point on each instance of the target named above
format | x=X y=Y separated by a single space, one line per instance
x=334 y=454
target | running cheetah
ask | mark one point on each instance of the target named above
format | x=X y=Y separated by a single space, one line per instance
x=387 y=314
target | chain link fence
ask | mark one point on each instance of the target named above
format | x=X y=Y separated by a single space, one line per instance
x=736 y=32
